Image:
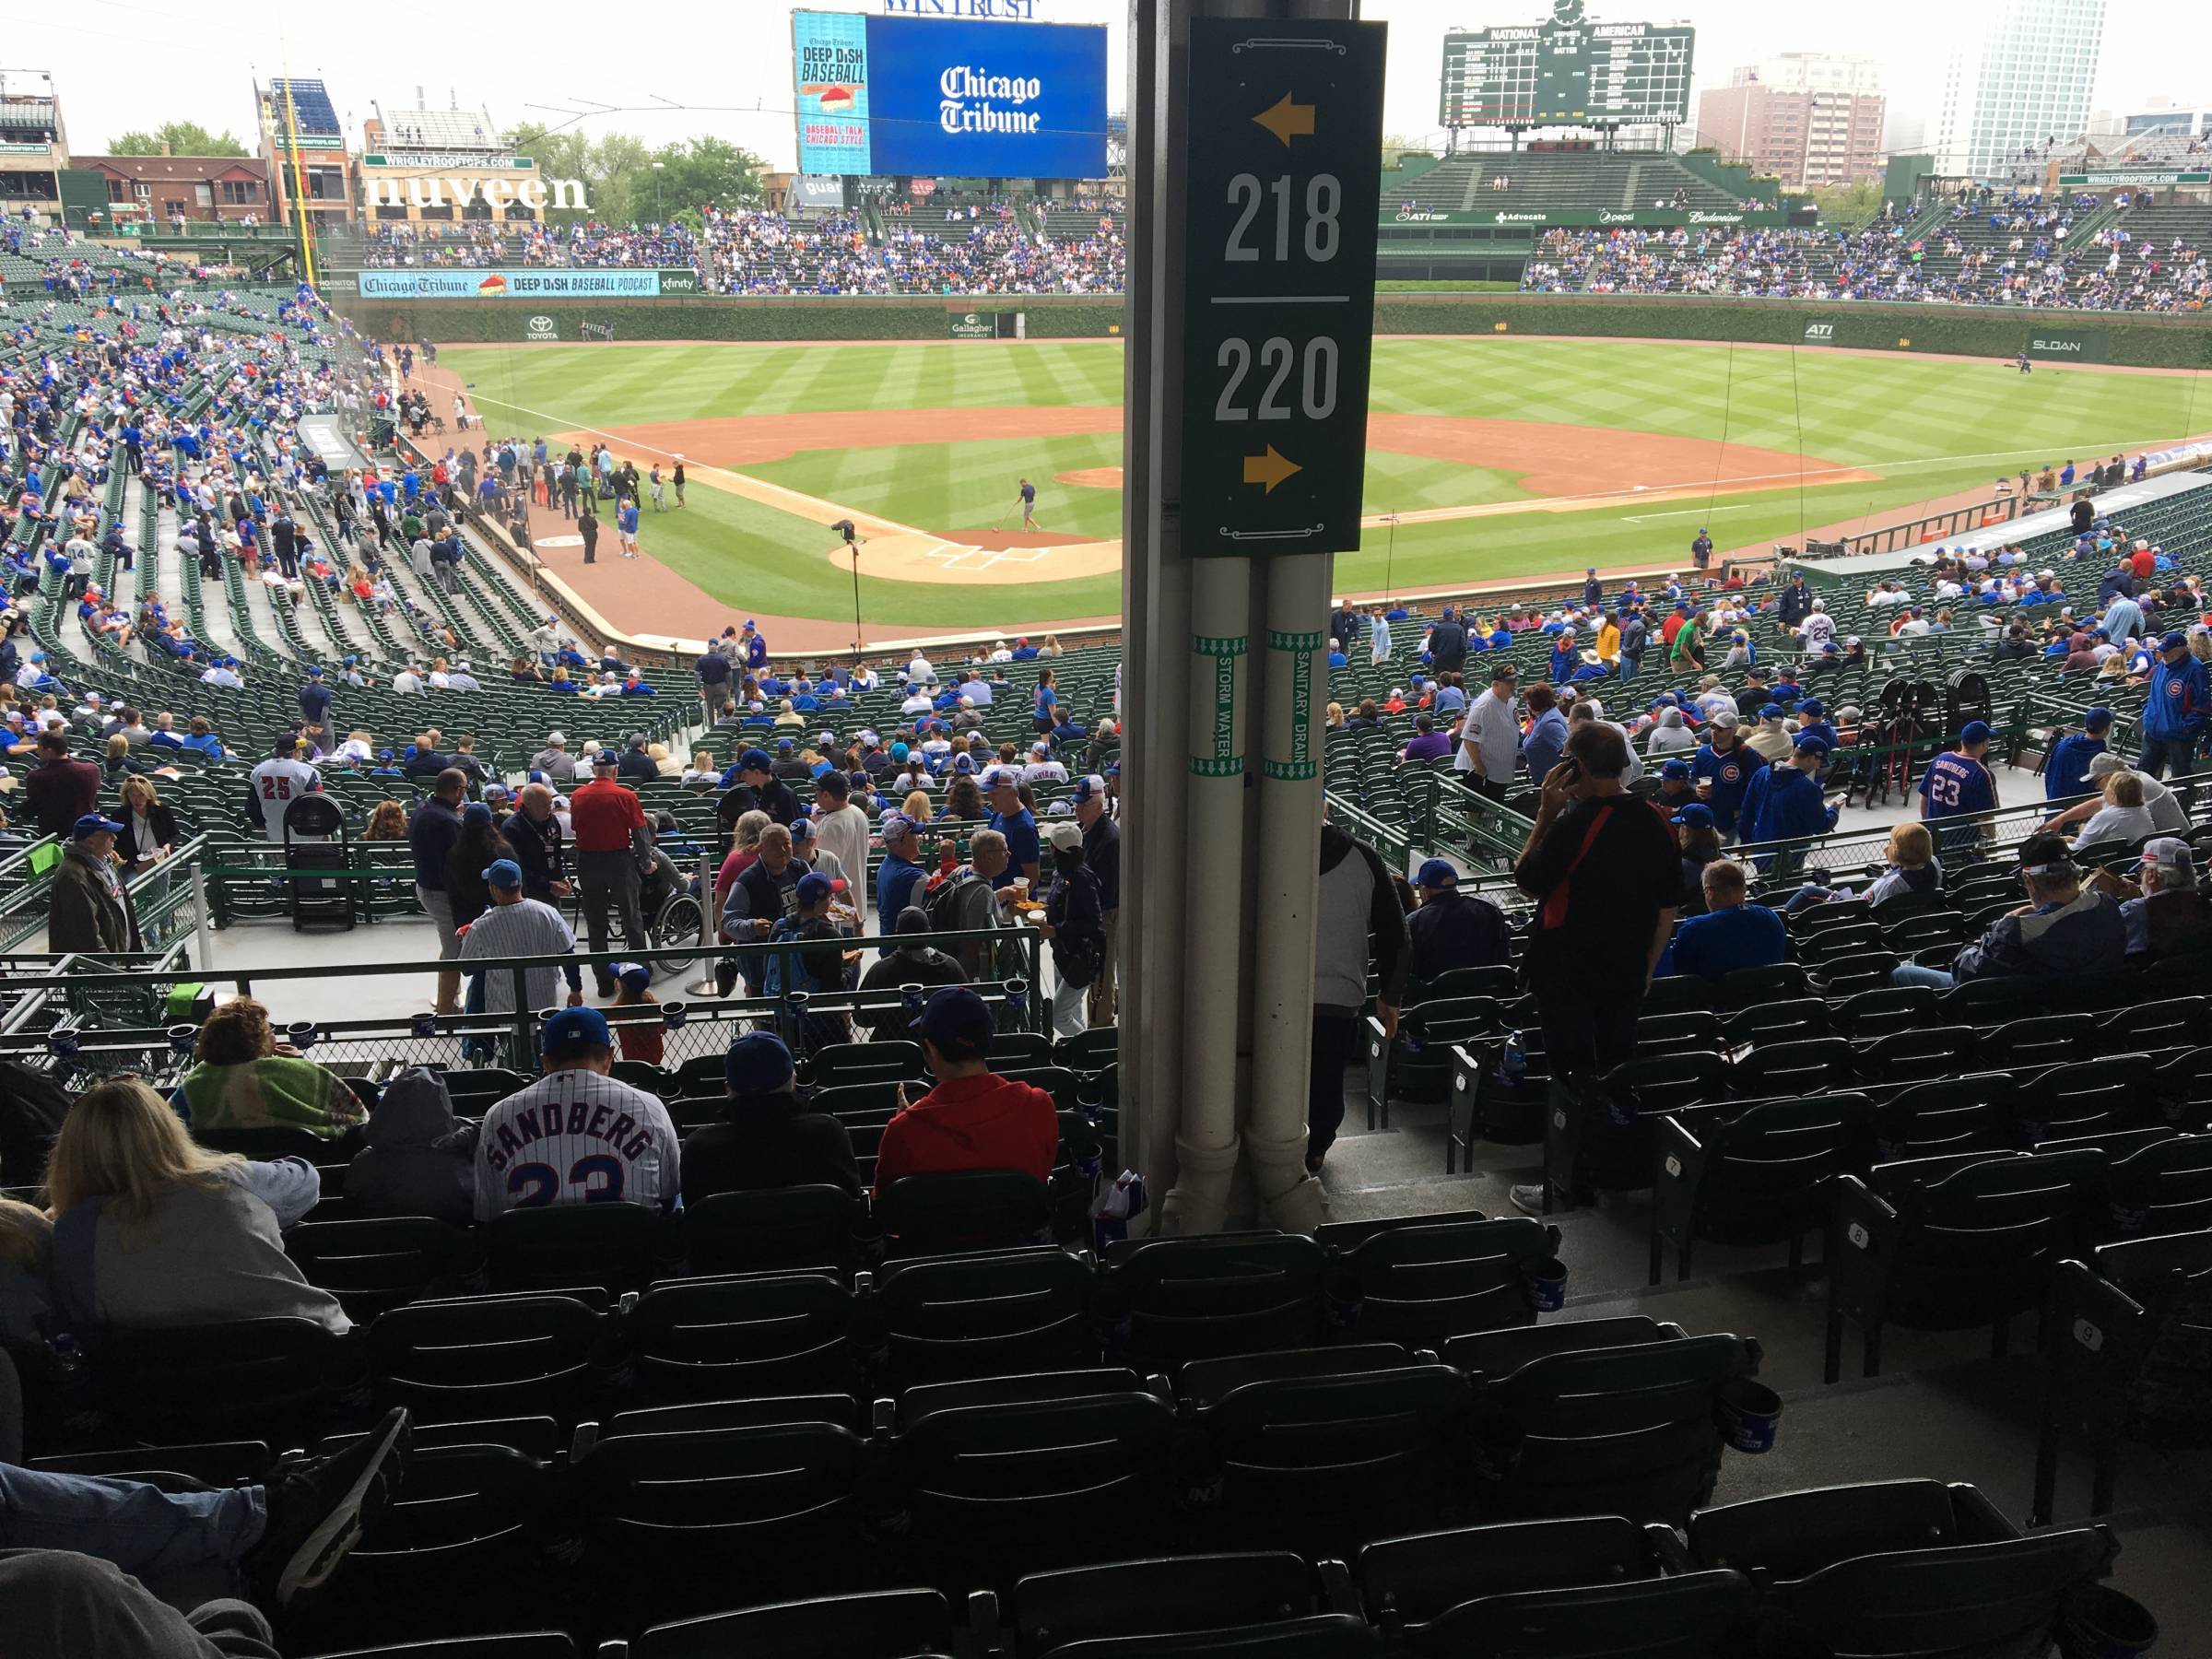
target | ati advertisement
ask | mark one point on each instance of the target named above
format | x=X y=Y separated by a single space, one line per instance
x=897 y=96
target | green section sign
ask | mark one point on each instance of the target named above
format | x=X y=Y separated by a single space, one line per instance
x=1298 y=765
x=1282 y=173
x=1222 y=761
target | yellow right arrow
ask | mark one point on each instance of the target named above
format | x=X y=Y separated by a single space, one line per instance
x=1269 y=469
x=1286 y=120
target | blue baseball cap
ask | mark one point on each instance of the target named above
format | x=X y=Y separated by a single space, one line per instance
x=782 y=746
x=1770 y=711
x=899 y=751
x=753 y=759
x=1697 y=815
x=1675 y=769
x=314 y=670
x=607 y=757
x=897 y=826
x=1812 y=706
x=1437 y=873
x=2096 y=720
x=963 y=763
x=637 y=975
x=92 y=823
x=956 y=1020
x=478 y=813
x=814 y=887
x=575 y=1029
x=1974 y=731
x=2174 y=641
x=1811 y=741
x=1090 y=787
x=758 y=1063
x=504 y=873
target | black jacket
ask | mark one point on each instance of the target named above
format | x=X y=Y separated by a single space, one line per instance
x=1457 y=930
x=766 y=1141
x=638 y=766
x=159 y=820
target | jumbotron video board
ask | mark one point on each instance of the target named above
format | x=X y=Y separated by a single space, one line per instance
x=1568 y=71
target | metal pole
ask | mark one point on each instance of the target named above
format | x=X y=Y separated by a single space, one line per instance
x=708 y=928
x=203 y=937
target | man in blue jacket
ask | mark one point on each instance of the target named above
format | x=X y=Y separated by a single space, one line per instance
x=1791 y=803
x=2067 y=773
x=1723 y=768
x=2175 y=711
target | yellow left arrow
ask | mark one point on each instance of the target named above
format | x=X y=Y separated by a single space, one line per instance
x=1269 y=469
x=1286 y=120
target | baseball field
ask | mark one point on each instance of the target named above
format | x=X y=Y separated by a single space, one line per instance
x=1488 y=457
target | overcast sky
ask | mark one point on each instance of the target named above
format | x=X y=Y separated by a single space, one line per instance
x=118 y=65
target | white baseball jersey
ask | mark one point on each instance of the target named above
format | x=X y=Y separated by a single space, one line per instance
x=576 y=1137
x=277 y=782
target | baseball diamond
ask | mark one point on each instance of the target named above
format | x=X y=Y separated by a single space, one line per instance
x=1487 y=458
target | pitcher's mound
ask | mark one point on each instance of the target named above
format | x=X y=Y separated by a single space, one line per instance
x=1091 y=478
x=999 y=540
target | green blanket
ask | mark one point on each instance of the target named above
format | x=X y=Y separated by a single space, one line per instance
x=274 y=1092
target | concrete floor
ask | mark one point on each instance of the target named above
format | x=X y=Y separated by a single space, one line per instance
x=1941 y=1408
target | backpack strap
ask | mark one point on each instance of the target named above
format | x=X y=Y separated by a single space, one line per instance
x=1554 y=911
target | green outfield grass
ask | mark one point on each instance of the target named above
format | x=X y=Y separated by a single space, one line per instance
x=1930 y=428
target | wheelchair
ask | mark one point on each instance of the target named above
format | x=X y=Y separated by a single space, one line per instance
x=672 y=911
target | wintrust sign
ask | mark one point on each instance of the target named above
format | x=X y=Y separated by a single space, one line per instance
x=458 y=190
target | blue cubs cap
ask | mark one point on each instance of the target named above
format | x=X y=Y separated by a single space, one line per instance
x=349 y=662
x=315 y=671
x=897 y=826
x=92 y=823
x=1675 y=769
x=1830 y=645
x=956 y=1020
x=636 y=975
x=758 y=1063
x=899 y=751
x=478 y=813
x=2096 y=720
x=1437 y=873
x=963 y=763
x=1811 y=741
x=1002 y=777
x=753 y=759
x=2174 y=641
x=607 y=757
x=1770 y=711
x=782 y=746
x=814 y=887
x=1812 y=706
x=504 y=873
x=1974 y=731
x=1090 y=787
x=574 y=1029
x=1696 y=815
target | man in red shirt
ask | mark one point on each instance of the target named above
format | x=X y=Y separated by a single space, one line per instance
x=972 y=1120
x=613 y=850
x=2144 y=562
x=58 y=790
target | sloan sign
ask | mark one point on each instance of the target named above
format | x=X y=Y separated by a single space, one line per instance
x=460 y=190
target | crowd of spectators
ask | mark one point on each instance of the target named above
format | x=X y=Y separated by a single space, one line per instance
x=2010 y=251
x=950 y=246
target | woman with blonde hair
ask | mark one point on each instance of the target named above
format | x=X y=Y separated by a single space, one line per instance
x=150 y=828
x=745 y=847
x=151 y=1230
x=2123 y=817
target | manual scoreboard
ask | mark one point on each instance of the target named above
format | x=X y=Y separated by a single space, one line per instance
x=1567 y=72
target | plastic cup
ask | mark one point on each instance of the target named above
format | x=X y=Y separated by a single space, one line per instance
x=301 y=1034
x=1543 y=1286
x=673 y=1015
x=2099 y=1622
x=1748 y=1413
x=183 y=1039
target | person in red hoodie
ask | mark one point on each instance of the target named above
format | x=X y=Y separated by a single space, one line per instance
x=972 y=1120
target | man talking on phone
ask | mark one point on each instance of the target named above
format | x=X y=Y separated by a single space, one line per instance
x=1606 y=875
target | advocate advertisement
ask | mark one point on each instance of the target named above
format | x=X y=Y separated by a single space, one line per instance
x=526 y=285
x=893 y=96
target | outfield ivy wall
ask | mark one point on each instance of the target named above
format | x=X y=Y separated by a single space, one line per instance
x=2111 y=337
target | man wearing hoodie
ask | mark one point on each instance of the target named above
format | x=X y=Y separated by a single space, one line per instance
x=420 y=1160
x=915 y=962
x=1357 y=905
x=766 y=1137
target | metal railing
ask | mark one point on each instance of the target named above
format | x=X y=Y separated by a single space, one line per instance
x=92 y=1032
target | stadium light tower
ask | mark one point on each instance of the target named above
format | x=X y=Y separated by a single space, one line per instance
x=658 y=169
